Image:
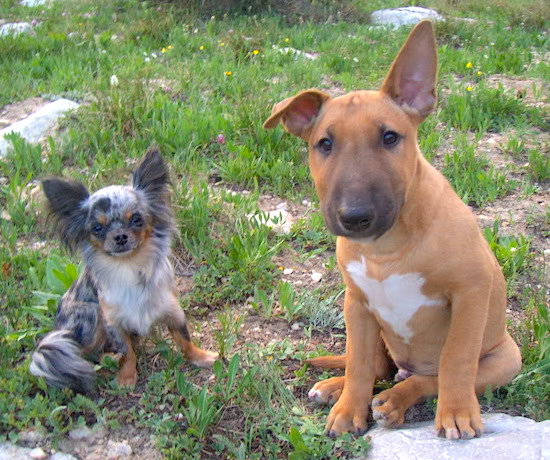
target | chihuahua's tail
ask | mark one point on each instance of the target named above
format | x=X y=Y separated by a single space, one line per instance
x=58 y=359
x=328 y=362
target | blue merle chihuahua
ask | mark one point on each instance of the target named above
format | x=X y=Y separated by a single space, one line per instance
x=127 y=285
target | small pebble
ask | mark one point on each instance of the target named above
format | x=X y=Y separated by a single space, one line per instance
x=316 y=277
x=38 y=454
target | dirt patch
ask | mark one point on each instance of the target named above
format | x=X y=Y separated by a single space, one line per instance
x=519 y=216
x=533 y=91
x=17 y=111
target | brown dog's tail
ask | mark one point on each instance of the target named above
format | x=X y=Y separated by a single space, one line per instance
x=328 y=362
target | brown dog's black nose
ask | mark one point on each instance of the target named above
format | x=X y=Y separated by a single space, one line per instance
x=356 y=219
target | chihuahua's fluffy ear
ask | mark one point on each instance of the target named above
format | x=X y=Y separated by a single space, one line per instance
x=65 y=201
x=153 y=178
x=152 y=174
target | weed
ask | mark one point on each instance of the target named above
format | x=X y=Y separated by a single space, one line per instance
x=472 y=177
x=538 y=166
x=511 y=252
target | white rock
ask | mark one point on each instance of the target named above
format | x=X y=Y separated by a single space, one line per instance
x=32 y=3
x=62 y=456
x=282 y=205
x=9 y=451
x=397 y=17
x=316 y=277
x=279 y=220
x=38 y=454
x=15 y=28
x=118 y=449
x=288 y=271
x=295 y=52
x=505 y=438
x=37 y=125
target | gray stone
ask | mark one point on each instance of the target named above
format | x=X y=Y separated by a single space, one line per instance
x=31 y=437
x=397 y=17
x=15 y=28
x=37 y=125
x=118 y=449
x=81 y=433
x=9 y=451
x=505 y=438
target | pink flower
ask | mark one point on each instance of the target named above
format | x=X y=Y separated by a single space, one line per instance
x=34 y=22
x=220 y=139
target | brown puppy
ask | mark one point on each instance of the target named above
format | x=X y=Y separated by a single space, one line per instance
x=421 y=280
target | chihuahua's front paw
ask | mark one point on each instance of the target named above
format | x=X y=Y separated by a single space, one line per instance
x=205 y=359
x=347 y=417
x=459 y=420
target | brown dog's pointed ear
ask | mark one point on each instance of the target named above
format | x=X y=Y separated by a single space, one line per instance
x=298 y=113
x=412 y=78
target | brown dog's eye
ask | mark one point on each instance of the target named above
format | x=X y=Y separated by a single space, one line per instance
x=325 y=145
x=390 y=138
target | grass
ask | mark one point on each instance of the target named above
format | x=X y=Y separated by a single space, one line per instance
x=183 y=78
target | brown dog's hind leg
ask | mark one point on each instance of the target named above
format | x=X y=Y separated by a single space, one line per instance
x=328 y=391
x=127 y=374
x=495 y=369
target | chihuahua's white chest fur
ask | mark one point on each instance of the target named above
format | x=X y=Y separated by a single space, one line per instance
x=395 y=299
x=135 y=296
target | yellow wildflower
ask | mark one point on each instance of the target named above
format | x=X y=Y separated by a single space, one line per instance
x=469 y=65
x=287 y=40
x=256 y=52
x=469 y=88
x=479 y=73
x=201 y=47
x=163 y=50
x=228 y=73
x=222 y=44
x=170 y=47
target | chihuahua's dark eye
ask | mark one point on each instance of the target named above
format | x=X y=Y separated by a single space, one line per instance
x=325 y=145
x=390 y=138
x=136 y=220
x=97 y=229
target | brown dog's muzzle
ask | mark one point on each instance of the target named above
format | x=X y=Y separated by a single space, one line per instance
x=361 y=214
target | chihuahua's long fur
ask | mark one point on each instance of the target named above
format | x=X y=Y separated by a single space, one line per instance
x=124 y=235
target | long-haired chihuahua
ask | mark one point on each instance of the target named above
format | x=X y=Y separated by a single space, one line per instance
x=127 y=285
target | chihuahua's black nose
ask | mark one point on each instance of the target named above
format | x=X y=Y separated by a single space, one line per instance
x=121 y=239
x=357 y=218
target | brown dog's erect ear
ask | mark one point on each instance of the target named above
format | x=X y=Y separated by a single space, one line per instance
x=413 y=74
x=298 y=113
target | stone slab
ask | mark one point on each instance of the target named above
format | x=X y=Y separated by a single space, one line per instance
x=505 y=438
x=37 y=125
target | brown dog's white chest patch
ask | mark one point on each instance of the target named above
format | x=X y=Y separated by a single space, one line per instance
x=396 y=299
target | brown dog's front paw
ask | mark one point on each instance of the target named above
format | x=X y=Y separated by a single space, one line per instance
x=205 y=359
x=459 y=420
x=127 y=380
x=347 y=417
x=388 y=408
x=327 y=391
